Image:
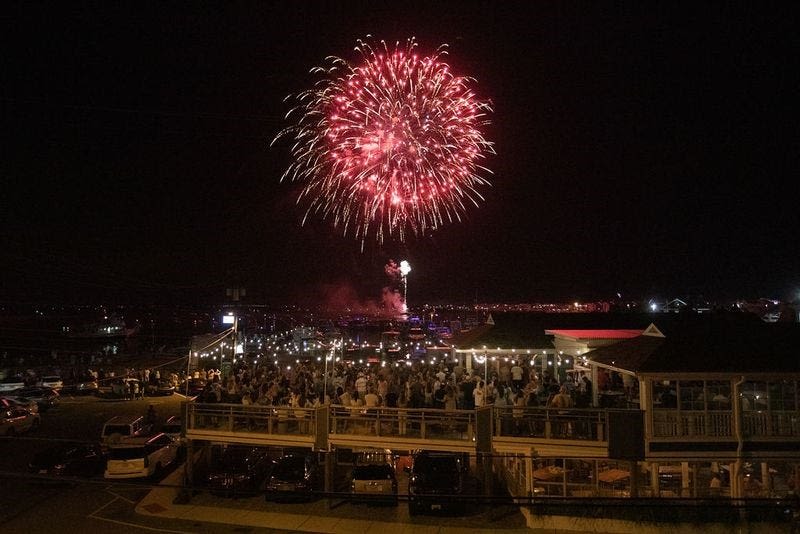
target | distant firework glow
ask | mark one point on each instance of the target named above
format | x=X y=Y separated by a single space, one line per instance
x=389 y=146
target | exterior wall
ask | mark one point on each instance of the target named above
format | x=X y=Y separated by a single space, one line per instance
x=750 y=427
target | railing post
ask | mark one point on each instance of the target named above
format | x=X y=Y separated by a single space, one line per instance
x=321 y=420
x=187 y=415
x=601 y=425
x=483 y=444
x=548 y=425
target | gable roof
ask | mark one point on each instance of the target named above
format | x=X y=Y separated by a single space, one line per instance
x=715 y=344
x=630 y=355
x=595 y=334
x=527 y=329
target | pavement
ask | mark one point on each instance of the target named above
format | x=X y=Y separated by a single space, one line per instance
x=318 y=518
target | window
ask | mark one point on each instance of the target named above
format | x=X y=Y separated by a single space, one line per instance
x=127 y=453
x=783 y=395
x=718 y=395
x=665 y=394
x=691 y=394
x=753 y=396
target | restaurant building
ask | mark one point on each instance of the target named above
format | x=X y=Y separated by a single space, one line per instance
x=689 y=407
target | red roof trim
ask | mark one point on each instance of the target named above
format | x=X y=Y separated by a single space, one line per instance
x=595 y=334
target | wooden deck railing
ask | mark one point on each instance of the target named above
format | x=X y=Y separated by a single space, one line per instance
x=588 y=424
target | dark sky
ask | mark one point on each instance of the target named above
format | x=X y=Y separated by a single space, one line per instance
x=647 y=149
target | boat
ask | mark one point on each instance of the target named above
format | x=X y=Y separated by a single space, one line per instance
x=109 y=327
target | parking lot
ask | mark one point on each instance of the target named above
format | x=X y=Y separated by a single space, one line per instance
x=104 y=503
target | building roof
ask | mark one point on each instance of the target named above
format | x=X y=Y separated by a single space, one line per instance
x=595 y=334
x=717 y=344
x=527 y=329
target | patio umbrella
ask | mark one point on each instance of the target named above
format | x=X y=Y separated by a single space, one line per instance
x=613 y=475
x=548 y=473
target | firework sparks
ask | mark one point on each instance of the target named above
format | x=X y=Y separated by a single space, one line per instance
x=390 y=145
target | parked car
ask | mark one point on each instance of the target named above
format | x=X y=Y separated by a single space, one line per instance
x=51 y=381
x=122 y=427
x=294 y=476
x=10 y=383
x=140 y=457
x=9 y=401
x=436 y=481
x=85 y=386
x=374 y=483
x=161 y=388
x=173 y=427
x=373 y=477
x=46 y=398
x=194 y=387
x=119 y=388
x=17 y=420
x=84 y=459
x=237 y=470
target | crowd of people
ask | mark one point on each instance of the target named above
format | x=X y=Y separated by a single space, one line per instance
x=416 y=385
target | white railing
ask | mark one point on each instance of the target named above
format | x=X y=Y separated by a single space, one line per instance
x=720 y=424
x=674 y=423
x=586 y=424
x=458 y=425
x=251 y=418
x=551 y=423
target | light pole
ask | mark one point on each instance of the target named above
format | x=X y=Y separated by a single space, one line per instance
x=325 y=376
x=230 y=319
x=405 y=268
x=485 y=361
x=235 y=339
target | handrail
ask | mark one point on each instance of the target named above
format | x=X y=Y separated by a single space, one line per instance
x=576 y=424
x=551 y=423
x=250 y=418
x=422 y=423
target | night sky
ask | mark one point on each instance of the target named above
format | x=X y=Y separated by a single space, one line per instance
x=645 y=149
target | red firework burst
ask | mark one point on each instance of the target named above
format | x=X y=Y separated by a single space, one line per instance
x=390 y=144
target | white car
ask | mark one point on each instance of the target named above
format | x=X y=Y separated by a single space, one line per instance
x=140 y=457
x=17 y=420
x=373 y=477
x=173 y=428
x=11 y=383
x=53 y=381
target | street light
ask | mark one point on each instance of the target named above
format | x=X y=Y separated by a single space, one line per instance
x=485 y=361
x=330 y=357
x=232 y=320
x=405 y=268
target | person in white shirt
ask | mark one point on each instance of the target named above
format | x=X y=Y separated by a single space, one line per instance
x=361 y=384
x=479 y=394
x=371 y=399
x=441 y=375
x=516 y=376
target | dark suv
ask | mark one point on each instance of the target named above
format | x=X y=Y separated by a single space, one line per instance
x=436 y=481
x=295 y=476
x=238 y=470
